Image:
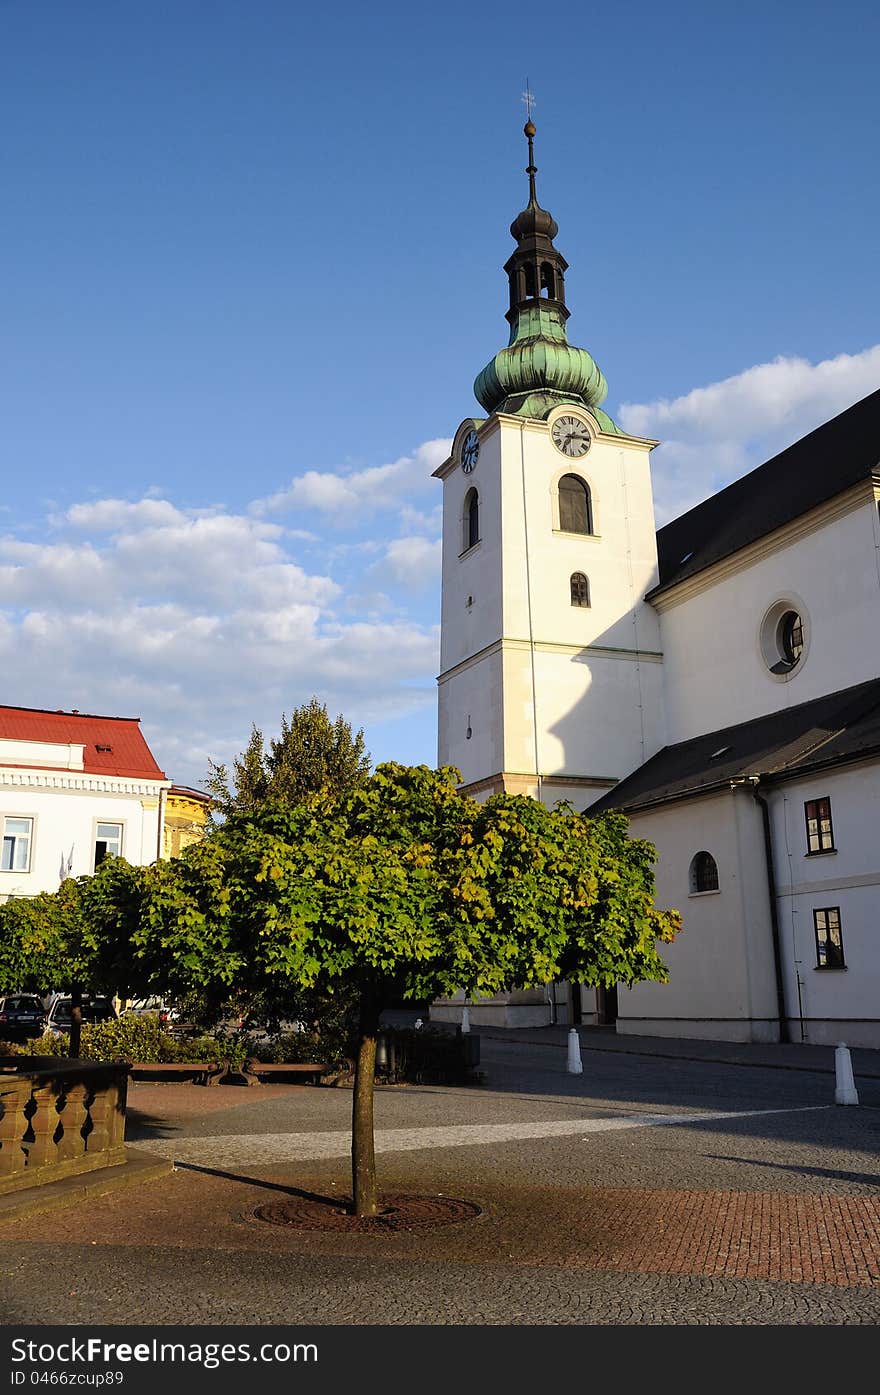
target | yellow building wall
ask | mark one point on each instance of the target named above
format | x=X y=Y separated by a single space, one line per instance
x=186 y=818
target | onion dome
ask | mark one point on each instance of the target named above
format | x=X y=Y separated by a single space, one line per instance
x=539 y=369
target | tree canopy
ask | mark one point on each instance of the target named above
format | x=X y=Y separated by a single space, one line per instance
x=311 y=755
x=397 y=887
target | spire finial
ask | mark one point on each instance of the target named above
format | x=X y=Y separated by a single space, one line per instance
x=529 y=133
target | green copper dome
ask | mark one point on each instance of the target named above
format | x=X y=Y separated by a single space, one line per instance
x=539 y=369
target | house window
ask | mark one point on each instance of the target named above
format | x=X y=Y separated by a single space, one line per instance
x=704 y=873
x=17 y=838
x=829 y=938
x=575 y=505
x=580 y=589
x=471 y=520
x=820 y=834
x=108 y=842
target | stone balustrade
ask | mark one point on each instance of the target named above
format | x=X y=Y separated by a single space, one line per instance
x=59 y=1117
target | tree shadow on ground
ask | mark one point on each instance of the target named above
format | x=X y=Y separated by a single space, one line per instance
x=867 y=1178
x=325 y=1199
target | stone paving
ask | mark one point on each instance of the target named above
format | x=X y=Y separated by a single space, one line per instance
x=649 y=1191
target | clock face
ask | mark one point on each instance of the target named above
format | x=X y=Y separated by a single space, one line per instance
x=469 y=452
x=571 y=436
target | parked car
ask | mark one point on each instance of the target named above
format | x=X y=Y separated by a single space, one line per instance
x=22 y=1015
x=151 y=1007
x=94 y=1009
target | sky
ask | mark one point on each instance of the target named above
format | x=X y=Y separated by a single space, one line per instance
x=252 y=264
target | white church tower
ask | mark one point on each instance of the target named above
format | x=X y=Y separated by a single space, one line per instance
x=551 y=676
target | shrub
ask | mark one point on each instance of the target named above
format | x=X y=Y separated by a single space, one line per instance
x=291 y=1047
x=127 y=1038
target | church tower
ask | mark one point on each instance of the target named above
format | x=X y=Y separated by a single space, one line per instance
x=551 y=676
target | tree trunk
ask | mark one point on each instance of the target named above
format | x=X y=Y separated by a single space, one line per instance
x=75 y=1019
x=363 y=1151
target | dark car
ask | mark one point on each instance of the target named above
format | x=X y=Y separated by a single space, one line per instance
x=22 y=1015
x=93 y=1010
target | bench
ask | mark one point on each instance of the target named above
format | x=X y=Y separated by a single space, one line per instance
x=287 y=1072
x=199 y=1072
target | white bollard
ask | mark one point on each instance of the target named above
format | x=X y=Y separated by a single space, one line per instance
x=575 y=1065
x=845 y=1091
x=465 y=1019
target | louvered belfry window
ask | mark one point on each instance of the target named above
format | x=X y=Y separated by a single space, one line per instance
x=575 y=506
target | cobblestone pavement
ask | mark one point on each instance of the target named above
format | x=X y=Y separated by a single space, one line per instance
x=755 y=1202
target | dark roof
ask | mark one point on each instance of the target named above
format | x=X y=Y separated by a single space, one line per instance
x=823 y=464
x=828 y=731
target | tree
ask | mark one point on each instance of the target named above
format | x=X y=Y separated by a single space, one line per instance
x=401 y=887
x=76 y=935
x=311 y=755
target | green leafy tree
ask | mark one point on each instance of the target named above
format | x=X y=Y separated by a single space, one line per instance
x=400 y=887
x=312 y=755
x=76 y=936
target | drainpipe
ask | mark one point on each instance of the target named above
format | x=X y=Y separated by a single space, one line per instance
x=161 y=829
x=784 y=1035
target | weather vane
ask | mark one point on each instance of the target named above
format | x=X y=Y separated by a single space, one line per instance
x=529 y=100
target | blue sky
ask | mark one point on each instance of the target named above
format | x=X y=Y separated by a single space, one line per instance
x=252 y=264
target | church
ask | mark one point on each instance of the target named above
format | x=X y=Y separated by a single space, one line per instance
x=717 y=680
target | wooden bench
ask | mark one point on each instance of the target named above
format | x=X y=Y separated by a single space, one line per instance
x=287 y=1072
x=199 y=1072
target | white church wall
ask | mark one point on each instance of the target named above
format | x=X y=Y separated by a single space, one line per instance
x=470 y=700
x=829 y=1005
x=471 y=610
x=721 y=977
x=716 y=675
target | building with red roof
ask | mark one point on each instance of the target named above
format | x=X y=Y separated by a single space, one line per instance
x=74 y=788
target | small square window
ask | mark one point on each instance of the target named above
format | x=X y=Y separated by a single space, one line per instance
x=108 y=842
x=17 y=838
x=829 y=938
x=820 y=834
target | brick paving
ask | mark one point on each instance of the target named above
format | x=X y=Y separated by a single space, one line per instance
x=749 y=1235
x=765 y=1213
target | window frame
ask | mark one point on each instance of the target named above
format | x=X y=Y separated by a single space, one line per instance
x=827 y=911
x=580 y=604
x=12 y=870
x=590 y=530
x=467 y=541
x=822 y=849
x=106 y=823
x=694 y=888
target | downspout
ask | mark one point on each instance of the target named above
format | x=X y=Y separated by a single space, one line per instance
x=161 y=829
x=784 y=1034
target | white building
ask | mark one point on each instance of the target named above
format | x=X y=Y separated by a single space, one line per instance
x=719 y=680
x=73 y=789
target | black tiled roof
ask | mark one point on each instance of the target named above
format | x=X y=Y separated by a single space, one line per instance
x=830 y=730
x=816 y=468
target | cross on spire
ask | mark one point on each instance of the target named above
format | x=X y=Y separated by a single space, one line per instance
x=529 y=100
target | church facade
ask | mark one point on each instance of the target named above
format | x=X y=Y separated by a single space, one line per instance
x=718 y=680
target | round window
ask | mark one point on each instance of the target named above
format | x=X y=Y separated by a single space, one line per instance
x=783 y=638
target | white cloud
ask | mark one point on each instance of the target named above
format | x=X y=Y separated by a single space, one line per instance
x=414 y=562
x=714 y=434
x=345 y=497
x=202 y=621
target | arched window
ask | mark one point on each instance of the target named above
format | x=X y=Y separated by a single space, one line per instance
x=548 y=281
x=471 y=520
x=580 y=589
x=704 y=872
x=575 y=507
x=531 y=289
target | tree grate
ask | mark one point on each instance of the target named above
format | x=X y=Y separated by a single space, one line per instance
x=398 y=1213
